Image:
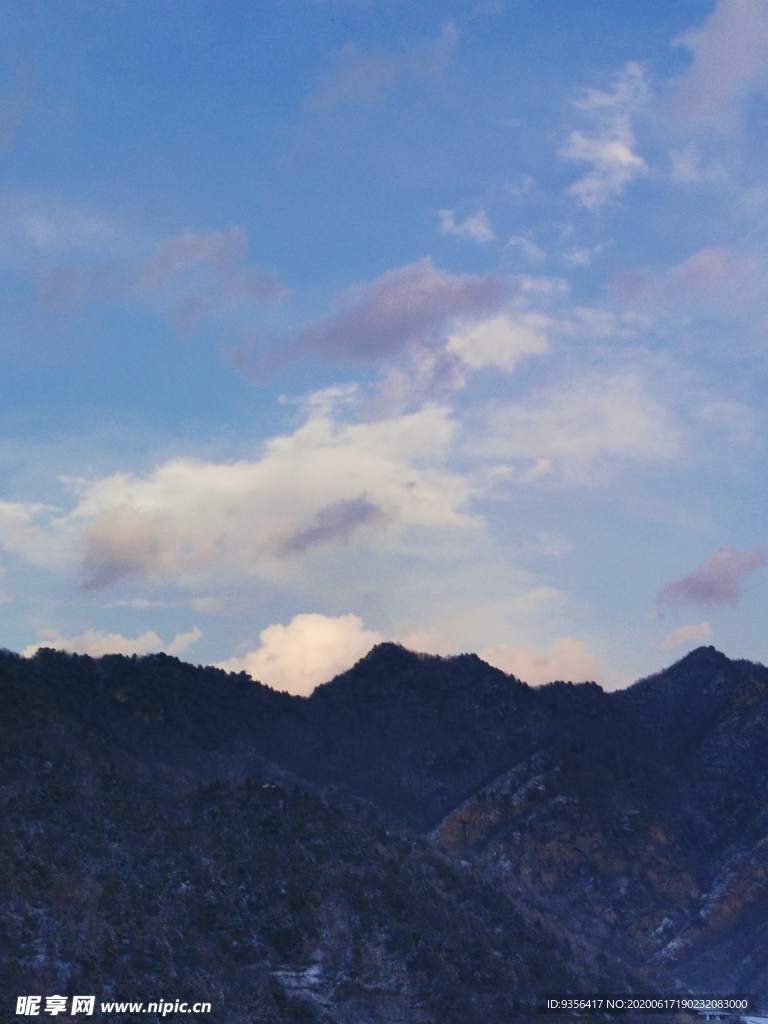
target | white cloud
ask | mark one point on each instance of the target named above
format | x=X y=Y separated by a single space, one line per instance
x=583 y=257
x=500 y=341
x=566 y=659
x=23 y=532
x=610 y=148
x=425 y=641
x=730 y=62
x=330 y=482
x=578 y=257
x=687 y=635
x=183 y=640
x=310 y=650
x=574 y=429
x=97 y=643
x=437 y=364
x=593 y=322
x=476 y=228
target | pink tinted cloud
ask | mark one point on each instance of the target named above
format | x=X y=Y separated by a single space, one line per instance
x=219 y=280
x=718 y=581
x=360 y=77
x=63 y=286
x=123 y=543
x=715 y=276
x=730 y=61
x=253 y=284
x=402 y=308
x=221 y=249
x=706 y=269
x=197 y=274
x=193 y=306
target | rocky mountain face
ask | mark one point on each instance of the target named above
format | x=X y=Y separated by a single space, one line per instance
x=422 y=839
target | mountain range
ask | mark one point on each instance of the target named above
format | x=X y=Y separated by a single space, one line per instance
x=422 y=839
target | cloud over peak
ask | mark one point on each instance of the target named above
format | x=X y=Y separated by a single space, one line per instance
x=310 y=650
x=567 y=659
x=687 y=635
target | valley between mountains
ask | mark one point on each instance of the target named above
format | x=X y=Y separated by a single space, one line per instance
x=423 y=840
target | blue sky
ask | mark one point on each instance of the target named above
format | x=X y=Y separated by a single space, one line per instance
x=332 y=322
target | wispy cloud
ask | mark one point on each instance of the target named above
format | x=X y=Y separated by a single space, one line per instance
x=69 y=286
x=718 y=581
x=687 y=635
x=36 y=230
x=221 y=249
x=715 y=275
x=610 y=145
x=713 y=287
x=360 y=76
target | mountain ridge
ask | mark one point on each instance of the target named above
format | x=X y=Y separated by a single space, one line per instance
x=632 y=821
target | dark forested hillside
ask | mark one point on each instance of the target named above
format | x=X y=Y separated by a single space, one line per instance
x=423 y=839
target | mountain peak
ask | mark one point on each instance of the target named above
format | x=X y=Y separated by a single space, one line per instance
x=702 y=655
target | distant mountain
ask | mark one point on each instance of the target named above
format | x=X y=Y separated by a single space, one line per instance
x=437 y=840
x=646 y=826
